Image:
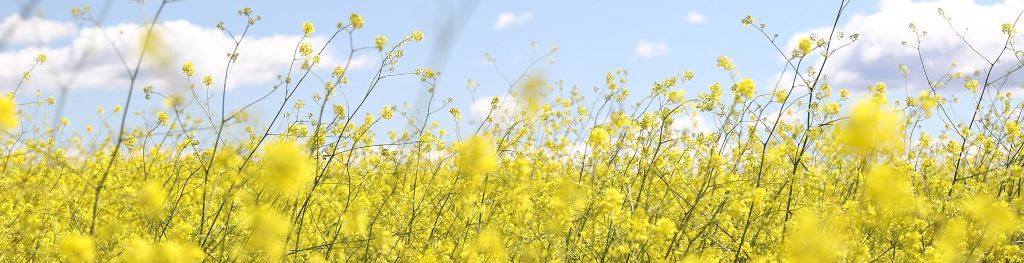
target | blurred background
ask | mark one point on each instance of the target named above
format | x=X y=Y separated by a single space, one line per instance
x=480 y=47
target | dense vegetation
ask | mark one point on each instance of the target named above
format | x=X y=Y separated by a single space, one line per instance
x=799 y=173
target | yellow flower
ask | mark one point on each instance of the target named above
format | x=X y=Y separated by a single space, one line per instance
x=388 y=112
x=781 y=95
x=268 y=229
x=208 y=80
x=162 y=118
x=746 y=87
x=308 y=28
x=78 y=248
x=971 y=85
x=811 y=241
x=476 y=156
x=380 y=42
x=306 y=49
x=1008 y=29
x=997 y=218
x=416 y=36
x=189 y=69
x=356 y=20
x=286 y=168
x=873 y=128
x=748 y=20
x=831 y=108
x=152 y=197
x=8 y=113
x=805 y=47
x=41 y=58
x=1013 y=128
x=599 y=138
x=725 y=63
x=890 y=190
x=532 y=92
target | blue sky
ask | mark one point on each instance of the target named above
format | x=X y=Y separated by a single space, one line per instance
x=652 y=40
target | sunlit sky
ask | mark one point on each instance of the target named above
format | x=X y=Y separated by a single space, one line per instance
x=651 y=39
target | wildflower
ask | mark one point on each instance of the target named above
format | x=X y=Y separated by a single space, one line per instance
x=416 y=36
x=1013 y=128
x=188 y=69
x=356 y=20
x=879 y=90
x=810 y=241
x=476 y=156
x=532 y=91
x=971 y=85
x=357 y=218
x=781 y=95
x=78 y=248
x=162 y=118
x=489 y=241
x=748 y=20
x=890 y=190
x=268 y=229
x=8 y=113
x=805 y=46
x=380 y=42
x=456 y=113
x=599 y=138
x=308 y=28
x=41 y=58
x=339 y=110
x=725 y=63
x=151 y=197
x=1008 y=29
x=286 y=168
x=388 y=112
x=997 y=217
x=872 y=128
x=746 y=87
x=831 y=108
x=665 y=227
x=676 y=96
x=306 y=49
x=611 y=199
x=338 y=72
x=208 y=81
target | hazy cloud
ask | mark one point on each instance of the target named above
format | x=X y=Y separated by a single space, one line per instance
x=507 y=19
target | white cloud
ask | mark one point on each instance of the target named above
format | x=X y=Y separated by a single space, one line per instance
x=507 y=19
x=33 y=31
x=876 y=56
x=693 y=123
x=260 y=59
x=504 y=114
x=693 y=17
x=648 y=49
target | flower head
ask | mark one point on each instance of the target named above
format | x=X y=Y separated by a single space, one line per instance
x=8 y=113
x=308 y=28
x=356 y=20
x=286 y=167
x=78 y=248
x=380 y=42
x=746 y=87
x=188 y=69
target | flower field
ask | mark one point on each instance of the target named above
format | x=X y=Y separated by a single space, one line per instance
x=805 y=172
